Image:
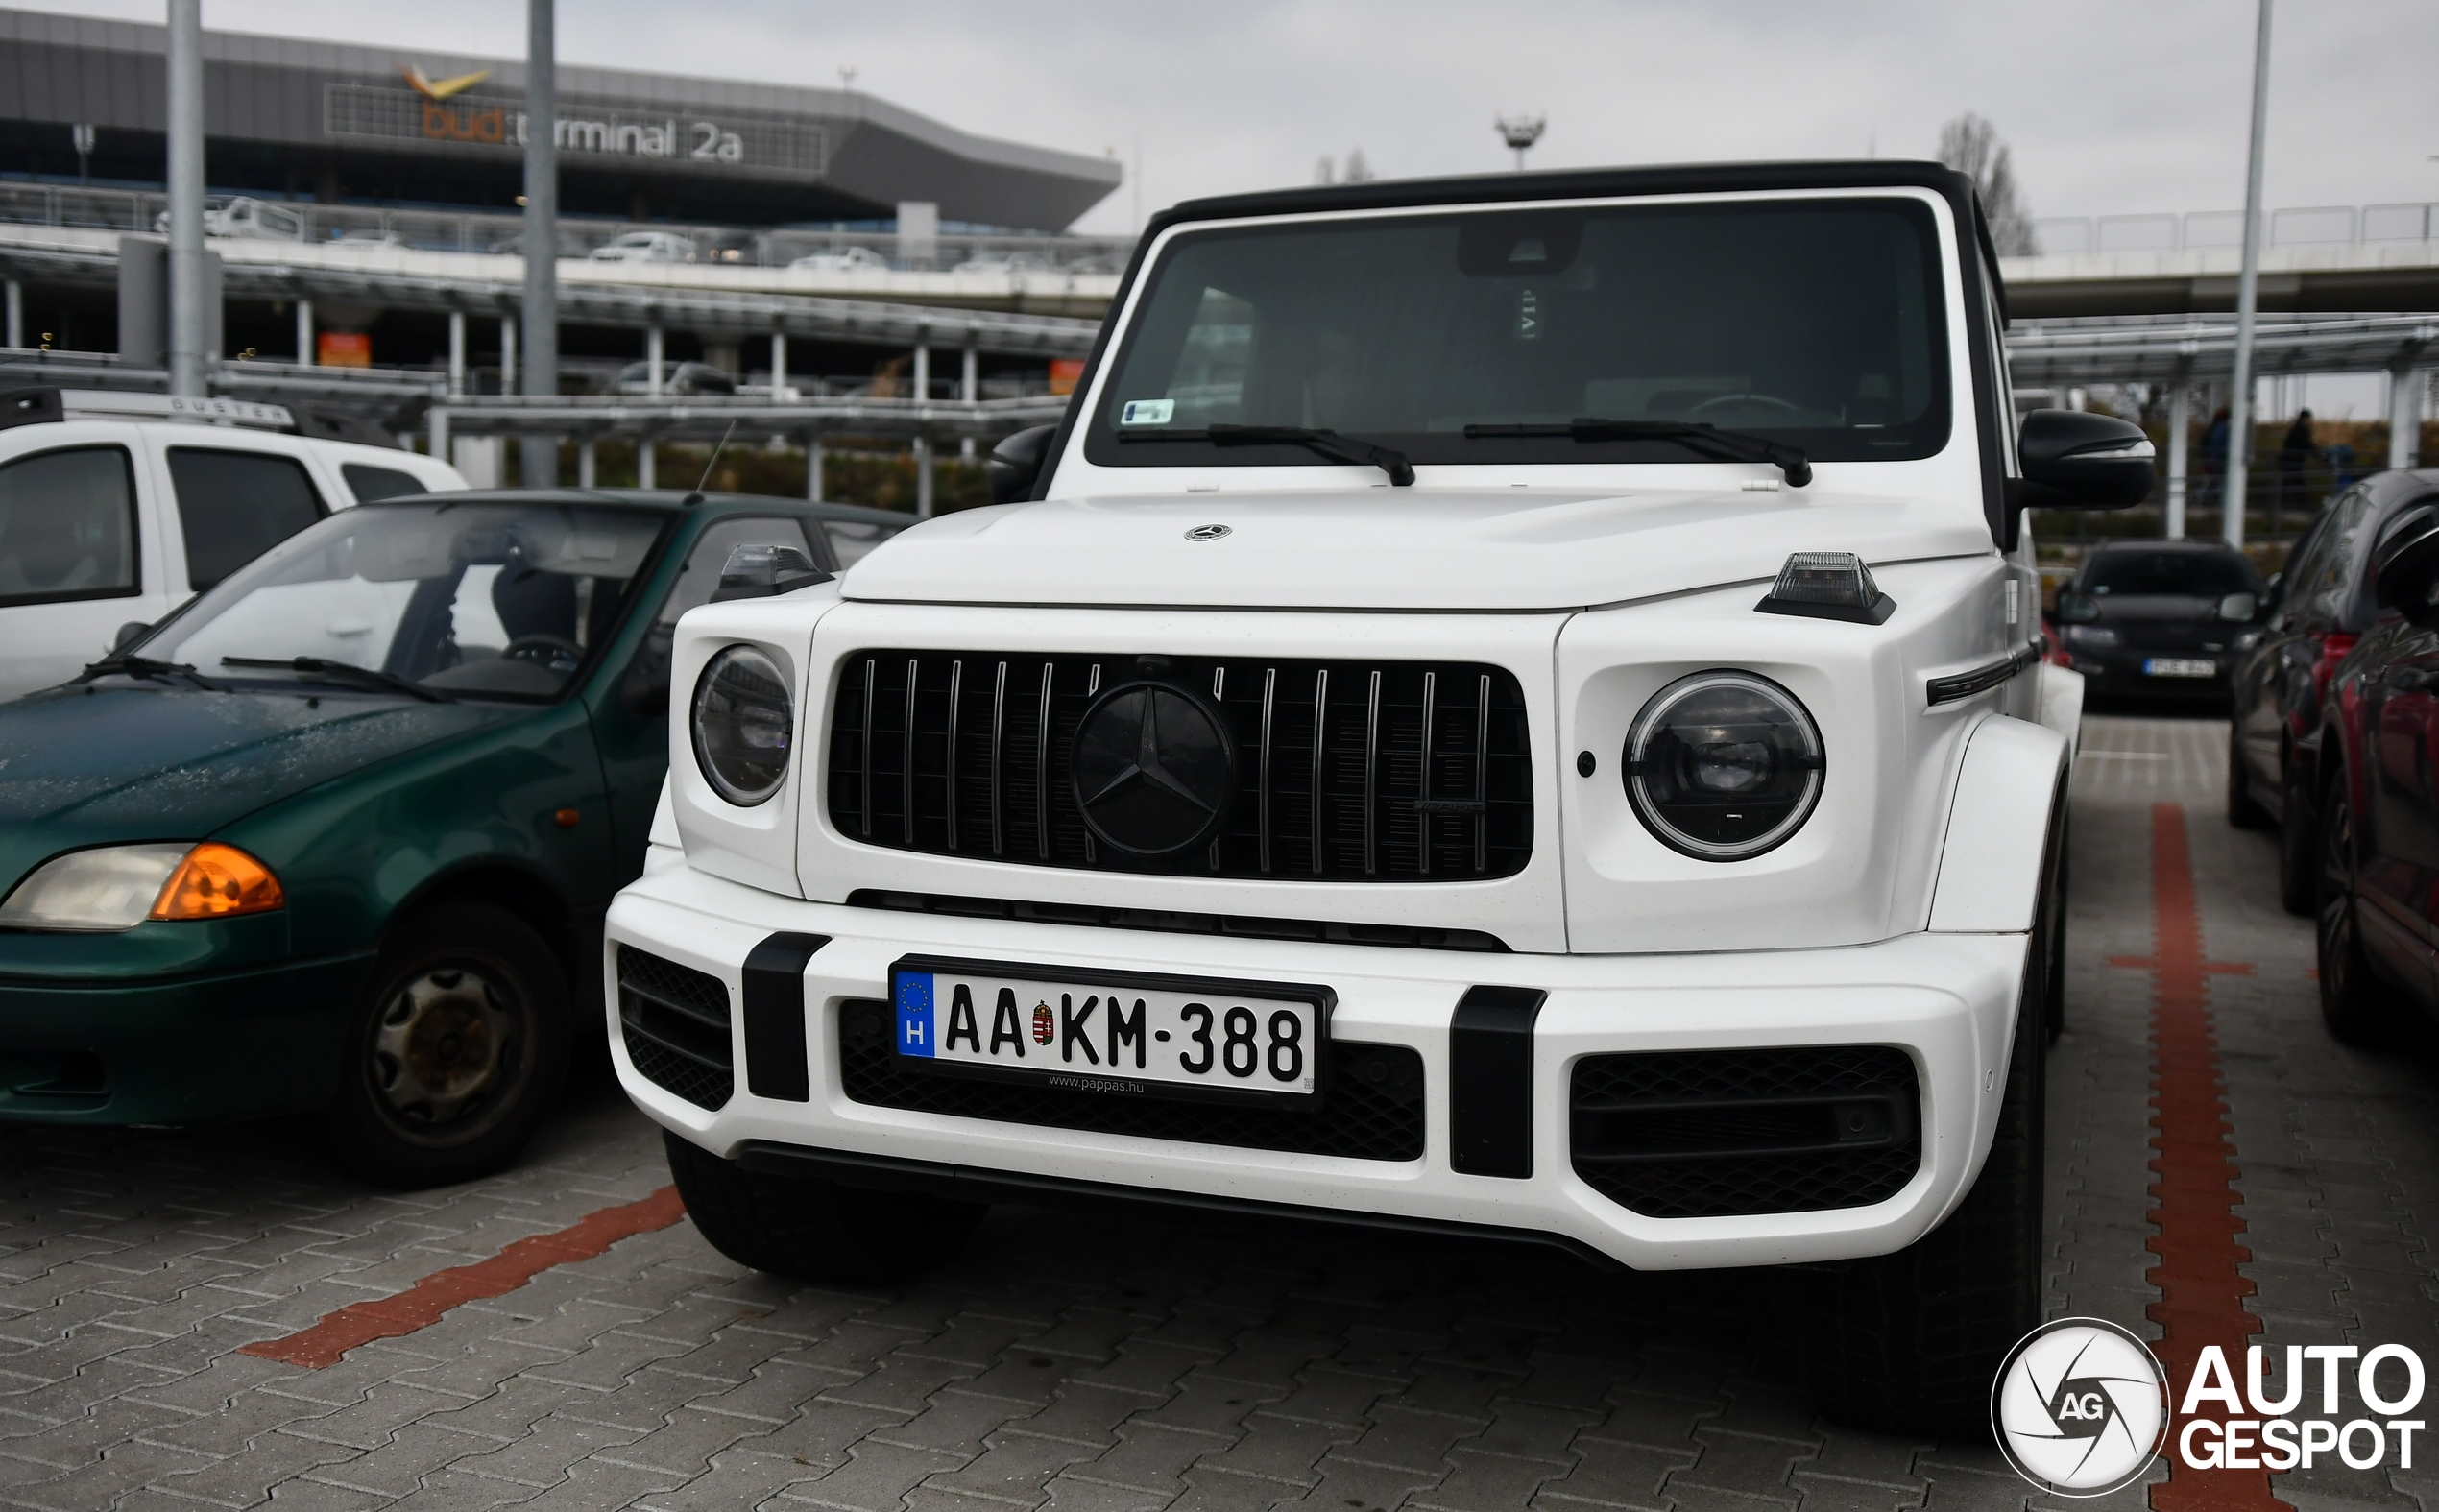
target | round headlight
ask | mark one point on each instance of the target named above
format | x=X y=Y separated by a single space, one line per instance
x=743 y=720
x=1722 y=765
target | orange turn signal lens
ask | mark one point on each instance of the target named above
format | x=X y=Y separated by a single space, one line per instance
x=218 y=882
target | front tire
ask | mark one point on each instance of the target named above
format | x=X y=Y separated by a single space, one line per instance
x=456 y=1053
x=812 y=1230
x=2299 y=858
x=1910 y=1342
x=2357 y=1006
x=2244 y=810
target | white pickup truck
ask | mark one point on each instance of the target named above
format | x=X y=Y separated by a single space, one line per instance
x=1508 y=705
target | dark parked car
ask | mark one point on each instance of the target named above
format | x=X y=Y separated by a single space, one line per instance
x=2378 y=805
x=339 y=835
x=2318 y=609
x=2159 y=621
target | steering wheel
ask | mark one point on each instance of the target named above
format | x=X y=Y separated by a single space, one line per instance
x=542 y=649
x=1745 y=401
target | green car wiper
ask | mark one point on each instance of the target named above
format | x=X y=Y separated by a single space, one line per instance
x=342 y=671
x=147 y=667
x=1327 y=443
x=1729 y=446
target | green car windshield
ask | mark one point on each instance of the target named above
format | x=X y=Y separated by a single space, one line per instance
x=480 y=599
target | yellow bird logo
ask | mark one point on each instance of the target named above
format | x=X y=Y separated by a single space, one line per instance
x=442 y=89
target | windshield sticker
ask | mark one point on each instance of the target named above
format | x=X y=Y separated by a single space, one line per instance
x=1528 y=316
x=1146 y=412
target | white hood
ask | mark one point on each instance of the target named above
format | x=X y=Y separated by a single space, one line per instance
x=1408 y=549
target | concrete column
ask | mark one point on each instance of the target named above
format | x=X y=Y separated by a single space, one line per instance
x=456 y=352
x=16 y=313
x=647 y=472
x=2180 y=421
x=541 y=453
x=922 y=373
x=652 y=347
x=2405 y=412
x=969 y=389
x=779 y=367
x=439 y=419
x=587 y=464
x=923 y=477
x=306 y=355
x=813 y=468
x=507 y=354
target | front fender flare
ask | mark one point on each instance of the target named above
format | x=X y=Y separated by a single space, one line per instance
x=1999 y=828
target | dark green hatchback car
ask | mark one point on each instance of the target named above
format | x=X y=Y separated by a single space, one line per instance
x=338 y=835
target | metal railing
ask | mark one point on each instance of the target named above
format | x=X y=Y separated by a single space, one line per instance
x=2305 y=225
x=28 y=204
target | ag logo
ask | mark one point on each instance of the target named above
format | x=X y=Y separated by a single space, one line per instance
x=2081 y=1407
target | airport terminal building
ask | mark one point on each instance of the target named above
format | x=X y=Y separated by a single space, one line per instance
x=341 y=124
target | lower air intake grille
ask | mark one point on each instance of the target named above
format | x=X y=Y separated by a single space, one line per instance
x=1707 y=1134
x=675 y=1021
x=1371 y=1108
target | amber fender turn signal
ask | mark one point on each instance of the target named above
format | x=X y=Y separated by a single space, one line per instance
x=218 y=882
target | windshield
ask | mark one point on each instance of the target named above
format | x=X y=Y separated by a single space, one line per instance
x=480 y=600
x=1814 y=323
x=2181 y=574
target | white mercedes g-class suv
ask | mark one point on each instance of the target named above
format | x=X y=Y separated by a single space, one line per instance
x=1507 y=705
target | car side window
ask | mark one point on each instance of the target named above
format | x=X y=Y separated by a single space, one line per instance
x=2324 y=592
x=67 y=527
x=371 y=484
x=853 y=540
x=234 y=506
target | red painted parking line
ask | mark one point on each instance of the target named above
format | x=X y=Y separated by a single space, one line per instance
x=2201 y=1291
x=428 y=1301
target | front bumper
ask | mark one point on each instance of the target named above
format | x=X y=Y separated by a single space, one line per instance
x=1946 y=1000
x=190 y=1049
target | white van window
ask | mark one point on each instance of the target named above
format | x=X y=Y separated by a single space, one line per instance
x=371 y=484
x=236 y=505
x=67 y=527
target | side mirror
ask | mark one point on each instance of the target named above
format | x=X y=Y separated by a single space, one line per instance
x=128 y=634
x=2404 y=567
x=2075 y=458
x=2236 y=608
x=2076 y=608
x=1016 y=463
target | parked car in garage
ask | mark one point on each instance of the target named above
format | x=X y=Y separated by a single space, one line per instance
x=2160 y=622
x=2375 y=803
x=845 y=259
x=676 y=377
x=338 y=835
x=647 y=246
x=114 y=508
x=2318 y=607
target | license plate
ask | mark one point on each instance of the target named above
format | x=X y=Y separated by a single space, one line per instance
x=1122 y=1033
x=2180 y=667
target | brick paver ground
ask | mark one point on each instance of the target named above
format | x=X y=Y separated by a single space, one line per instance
x=1149 y=1361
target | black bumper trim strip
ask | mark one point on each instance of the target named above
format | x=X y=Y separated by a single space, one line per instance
x=776 y=1066
x=1490 y=1081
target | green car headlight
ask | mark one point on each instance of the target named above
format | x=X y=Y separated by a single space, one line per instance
x=743 y=723
x=112 y=887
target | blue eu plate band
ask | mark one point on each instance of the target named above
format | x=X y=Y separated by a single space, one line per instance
x=775 y=1062
x=1490 y=1081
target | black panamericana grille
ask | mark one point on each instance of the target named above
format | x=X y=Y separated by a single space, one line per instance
x=1707 y=1134
x=1370 y=1105
x=1346 y=771
x=675 y=1021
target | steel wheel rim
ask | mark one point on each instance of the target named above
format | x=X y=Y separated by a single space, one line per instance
x=446 y=1053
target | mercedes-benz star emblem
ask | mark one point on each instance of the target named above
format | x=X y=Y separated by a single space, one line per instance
x=1206 y=533
x=1153 y=768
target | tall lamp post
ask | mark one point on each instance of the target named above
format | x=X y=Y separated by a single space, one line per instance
x=189 y=328
x=538 y=456
x=2248 y=291
x=1520 y=134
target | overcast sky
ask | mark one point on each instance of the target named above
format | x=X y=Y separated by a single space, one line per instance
x=2111 y=105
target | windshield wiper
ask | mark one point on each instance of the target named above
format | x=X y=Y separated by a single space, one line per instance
x=1731 y=445
x=342 y=671
x=1327 y=443
x=147 y=667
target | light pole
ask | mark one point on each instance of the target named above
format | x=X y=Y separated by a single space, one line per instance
x=1521 y=133
x=538 y=456
x=2248 y=291
x=188 y=327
